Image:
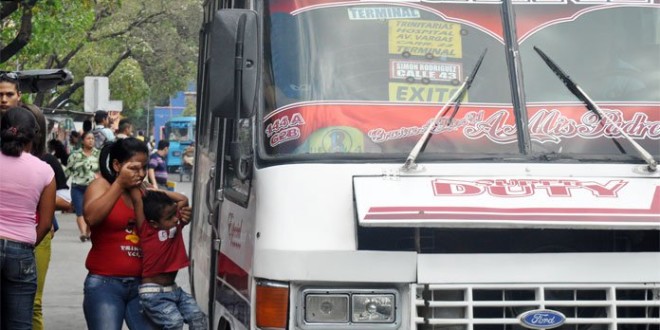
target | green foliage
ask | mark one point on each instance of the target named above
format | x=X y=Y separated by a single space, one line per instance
x=190 y=110
x=92 y=38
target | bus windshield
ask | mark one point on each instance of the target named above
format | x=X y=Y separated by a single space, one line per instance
x=180 y=131
x=353 y=79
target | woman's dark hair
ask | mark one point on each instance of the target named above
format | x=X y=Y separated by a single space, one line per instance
x=10 y=77
x=39 y=142
x=84 y=135
x=74 y=135
x=57 y=147
x=120 y=150
x=17 y=129
x=87 y=125
x=154 y=202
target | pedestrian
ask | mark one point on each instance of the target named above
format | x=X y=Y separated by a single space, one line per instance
x=25 y=200
x=151 y=145
x=102 y=131
x=158 y=165
x=125 y=129
x=115 y=260
x=10 y=93
x=57 y=149
x=87 y=125
x=161 y=217
x=42 y=252
x=74 y=141
x=83 y=168
x=140 y=135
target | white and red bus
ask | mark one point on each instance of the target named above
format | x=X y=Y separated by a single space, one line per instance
x=428 y=164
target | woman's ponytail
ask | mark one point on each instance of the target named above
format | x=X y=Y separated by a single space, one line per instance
x=105 y=164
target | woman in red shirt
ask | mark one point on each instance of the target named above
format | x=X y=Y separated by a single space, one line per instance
x=115 y=259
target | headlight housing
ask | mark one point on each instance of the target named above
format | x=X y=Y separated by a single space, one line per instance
x=350 y=308
x=326 y=308
x=376 y=308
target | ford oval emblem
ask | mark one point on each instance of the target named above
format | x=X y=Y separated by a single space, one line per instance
x=542 y=319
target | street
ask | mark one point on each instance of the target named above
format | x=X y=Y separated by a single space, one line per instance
x=63 y=293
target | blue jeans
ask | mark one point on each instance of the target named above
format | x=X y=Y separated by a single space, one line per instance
x=170 y=309
x=18 y=284
x=110 y=300
x=77 y=194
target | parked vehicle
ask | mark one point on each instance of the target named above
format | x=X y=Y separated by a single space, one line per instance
x=431 y=164
x=180 y=132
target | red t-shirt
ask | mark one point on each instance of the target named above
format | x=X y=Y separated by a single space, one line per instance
x=115 y=244
x=163 y=250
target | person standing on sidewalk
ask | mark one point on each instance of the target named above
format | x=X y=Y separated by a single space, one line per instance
x=82 y=169
x=27 y=192
x=158 y=166
x=10 y=93
x=115 y=260
x=125 y=129
x=102 y=131
x=42 y=252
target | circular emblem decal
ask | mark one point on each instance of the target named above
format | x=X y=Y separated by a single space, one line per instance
x=541 y=319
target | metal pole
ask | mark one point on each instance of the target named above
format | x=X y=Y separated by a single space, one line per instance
x=148 y=134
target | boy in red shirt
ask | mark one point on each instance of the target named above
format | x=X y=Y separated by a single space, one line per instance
x=160 y=229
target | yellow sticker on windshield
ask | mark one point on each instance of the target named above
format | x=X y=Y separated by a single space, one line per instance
x=425 y=38
x=402 y=92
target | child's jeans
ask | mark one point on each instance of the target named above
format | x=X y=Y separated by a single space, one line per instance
x=170 y=306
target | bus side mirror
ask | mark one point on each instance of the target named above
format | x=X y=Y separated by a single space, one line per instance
x=233 y=65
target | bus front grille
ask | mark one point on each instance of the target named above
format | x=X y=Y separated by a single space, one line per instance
x=498 y=307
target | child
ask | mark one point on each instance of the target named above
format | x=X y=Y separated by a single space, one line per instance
x=160 y=228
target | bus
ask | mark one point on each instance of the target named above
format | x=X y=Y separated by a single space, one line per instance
x=428 y=164
x=180 y=132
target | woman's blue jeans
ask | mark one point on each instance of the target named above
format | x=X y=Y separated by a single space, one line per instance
x=18 y=284
x=110 y=300
x=77 y=195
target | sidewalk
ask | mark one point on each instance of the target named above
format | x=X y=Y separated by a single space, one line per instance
x=63 y=293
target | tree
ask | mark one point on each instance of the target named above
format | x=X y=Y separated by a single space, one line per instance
x=23 y=26
x=148 y=49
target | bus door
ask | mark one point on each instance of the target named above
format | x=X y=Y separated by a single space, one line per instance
x=219 y=244
x=204 y=236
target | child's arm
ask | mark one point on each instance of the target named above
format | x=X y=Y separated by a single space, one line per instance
x=138 y=207
x=185 y=212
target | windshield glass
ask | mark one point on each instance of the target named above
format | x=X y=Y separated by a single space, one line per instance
x=612 y=51
x=180 y=131
x=357 y=79
x=350 y=79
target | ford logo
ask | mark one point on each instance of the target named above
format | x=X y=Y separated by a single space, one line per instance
x=541 y=319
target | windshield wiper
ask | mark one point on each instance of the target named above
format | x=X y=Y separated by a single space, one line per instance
x=577 y=91
x=456 y=97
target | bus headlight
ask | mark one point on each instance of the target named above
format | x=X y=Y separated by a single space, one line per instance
x=326 y=308
x=348 y=308
x=373 y=308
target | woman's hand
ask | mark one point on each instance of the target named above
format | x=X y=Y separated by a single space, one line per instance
x=129 y=175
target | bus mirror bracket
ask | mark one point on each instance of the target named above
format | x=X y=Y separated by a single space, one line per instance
x=233 y=63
